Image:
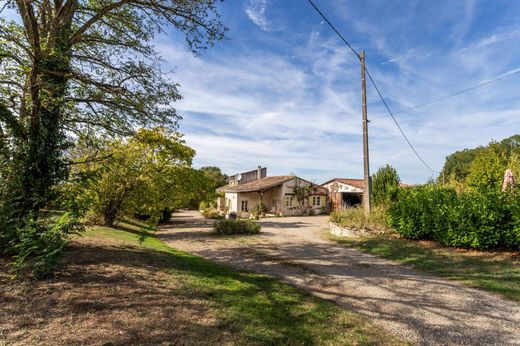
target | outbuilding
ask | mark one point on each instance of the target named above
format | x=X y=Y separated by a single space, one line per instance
x=344 y=192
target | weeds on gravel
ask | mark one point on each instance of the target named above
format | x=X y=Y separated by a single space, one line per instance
x=355 y=218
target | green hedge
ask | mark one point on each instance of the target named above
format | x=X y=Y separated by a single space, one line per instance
x=480 y=220
x=230 y=226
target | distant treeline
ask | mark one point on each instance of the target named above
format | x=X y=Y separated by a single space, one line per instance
x=484 y=166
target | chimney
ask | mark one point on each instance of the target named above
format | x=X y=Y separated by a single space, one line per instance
x=259 y=172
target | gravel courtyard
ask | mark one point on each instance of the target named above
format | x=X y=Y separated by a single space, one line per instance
x=415 y=306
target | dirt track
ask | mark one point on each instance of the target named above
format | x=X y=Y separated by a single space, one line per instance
x=418 y=307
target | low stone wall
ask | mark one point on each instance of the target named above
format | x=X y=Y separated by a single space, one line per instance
x=346 y=232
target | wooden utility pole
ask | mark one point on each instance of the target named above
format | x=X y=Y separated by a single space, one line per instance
x=367 y=191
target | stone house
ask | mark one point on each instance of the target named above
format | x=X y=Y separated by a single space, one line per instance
x=281 y=195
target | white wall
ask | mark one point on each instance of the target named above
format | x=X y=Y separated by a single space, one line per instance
x=231 y=201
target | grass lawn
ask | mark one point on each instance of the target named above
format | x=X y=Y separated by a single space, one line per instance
x=497 y=272
x=109 y=289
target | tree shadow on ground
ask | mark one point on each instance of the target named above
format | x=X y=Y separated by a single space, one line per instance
x=128 y=294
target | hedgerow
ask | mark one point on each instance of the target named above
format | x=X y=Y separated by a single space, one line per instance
x=475 y=219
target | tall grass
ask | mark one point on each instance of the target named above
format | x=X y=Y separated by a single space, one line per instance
x=355 y=218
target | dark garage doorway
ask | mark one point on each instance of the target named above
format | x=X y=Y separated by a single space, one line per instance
x=350 y=199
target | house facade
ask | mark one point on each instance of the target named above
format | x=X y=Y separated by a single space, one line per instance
x=281 y=195
x=344 y=193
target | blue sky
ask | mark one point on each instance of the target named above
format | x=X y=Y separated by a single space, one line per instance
x=284 y=92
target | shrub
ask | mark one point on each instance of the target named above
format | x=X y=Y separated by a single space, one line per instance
x=164 y=215
x=259 y=210
x=420 y=212
x=211 y=213
x=385 y=183
x=40 y=243
x=229 y=226
x=203 y=205
x=472 y=219
x=355 y=218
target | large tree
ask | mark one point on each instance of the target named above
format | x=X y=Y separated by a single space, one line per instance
x=216 y=175
x=147 y=175
x=75 y=66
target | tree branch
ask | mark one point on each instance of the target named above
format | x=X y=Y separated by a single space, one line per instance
x=98 y=16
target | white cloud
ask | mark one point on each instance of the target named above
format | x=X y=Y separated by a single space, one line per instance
x=256 y=11
x=494 y=39
x=262 y=108
x=299 y=110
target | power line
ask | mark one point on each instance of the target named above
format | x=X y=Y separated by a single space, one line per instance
x=499 y=78
x=397 y=124
x=374 y=84
x=333 y=28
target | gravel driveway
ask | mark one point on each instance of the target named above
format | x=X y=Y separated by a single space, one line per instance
x=418 y=307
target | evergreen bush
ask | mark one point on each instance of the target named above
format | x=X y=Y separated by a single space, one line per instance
x=472 y=219
x=230 y=226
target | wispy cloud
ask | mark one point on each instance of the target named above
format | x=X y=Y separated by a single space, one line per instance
x=293 y=103
x=493 y=39
x=256 y=11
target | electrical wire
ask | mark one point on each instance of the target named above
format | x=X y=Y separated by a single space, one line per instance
x=375 y=87
x=333 y=28
x=397 y=123
x=456 y=93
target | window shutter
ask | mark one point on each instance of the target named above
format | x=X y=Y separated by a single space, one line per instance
x=310 y=201
x=323 y=201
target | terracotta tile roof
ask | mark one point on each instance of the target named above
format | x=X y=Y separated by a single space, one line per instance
x=257 y=185
x=359 y=183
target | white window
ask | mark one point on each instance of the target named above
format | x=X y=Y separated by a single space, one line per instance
x=288 y=201
x=244 y=206
x=316 y=201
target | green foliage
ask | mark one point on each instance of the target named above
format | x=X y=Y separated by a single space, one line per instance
x=385 y=183
x=486 y=171
x=83 y=66
x=215 y=174
x=475 y=219
x=210 y=179
x=355 y=218
x=148 y=176
x=458 y=163
x=203 y=205
x=302 y=192
x=40 y=242
x=259 y=210
x=229 y=226
x=482 y=167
